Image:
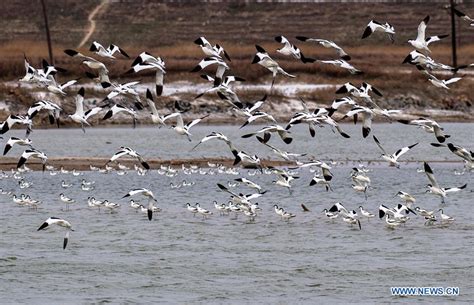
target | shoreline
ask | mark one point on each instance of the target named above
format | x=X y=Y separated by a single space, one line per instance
x=84 y=163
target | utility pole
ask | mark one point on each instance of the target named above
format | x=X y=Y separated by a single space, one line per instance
x=48 y=37
x=453 y=34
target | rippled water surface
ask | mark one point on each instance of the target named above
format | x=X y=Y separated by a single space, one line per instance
x=177 y=258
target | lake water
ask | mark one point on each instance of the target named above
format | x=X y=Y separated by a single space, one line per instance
x=177 y=258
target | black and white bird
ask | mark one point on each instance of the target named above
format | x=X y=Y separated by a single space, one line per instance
x=463 y=16
x=366 y=114
x=117 y=108
x=241 y=198
x=421 y=42
x=52 y=108
x=434 y=187
x=79 y=116
x=16 y=119
x=59 y=88
x=223 y=90
x=423 y=62
x=210 y=50
x=32 y=153
x=284 y=180
x=183 y=129
x=439 y=83
x=443 y=83
x=347 y=216
x=147 y=194
x=191 y=208
x=375 y=26
x=283 y=154
x=341 y=63
x=365 y=213
x=156 y=118
x=146 y=62
x=127 y=151
x=209 y=61
x=245 y=159
x=249 y=183
x=429 y=126
x=38 y=75
x=462 y=152
x=290 y=49
x=60 y=222
x=66 y=200
x=444 y=217
x=327 y=44
x=262 y=58
x=362 y=92
x=330 y=215
x=393 y=158
x=92 y=64
x=267 y=130
x=214 y=136
x=258 y=115
x=409 y=199
x=16 y=141
x=318 y=180
x=126 y=89
x=361 y=181
x=98 y=49
x=204 y=212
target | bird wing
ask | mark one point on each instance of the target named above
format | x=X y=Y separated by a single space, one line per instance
x=79 y=99
x=422 y=29
x=151 y=103
x=403 y=150
x=454 y=189
x=67 y=84
x=179 y=121
x=119 y=154
x=194 y=122
x=452 y=80
x=379 y=145
x=429 y=173
x=92 y=112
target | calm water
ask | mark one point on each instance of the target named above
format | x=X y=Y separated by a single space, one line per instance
x=165 y=143
x=177 y=258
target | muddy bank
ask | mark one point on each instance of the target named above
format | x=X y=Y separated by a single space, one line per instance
x=85 y=163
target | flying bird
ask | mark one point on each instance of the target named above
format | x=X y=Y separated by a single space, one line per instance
x=183 y=129
x=16 y=141
x=463 y=16
x=341 y=63
x=98 y=49
x=434 y=187
x=262 y=58
x=327 y=44
x=117 y=108
x=393 y=159
x=146 y=61
x=59 y=222
x=375 y=26
x=210 y=50
x=290 y=49
x=147 y=194
x=155 y=115
x=421 y=43
x=32 y=153
x=127 y=151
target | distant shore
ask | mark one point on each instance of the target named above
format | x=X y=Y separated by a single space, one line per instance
x=84 y=163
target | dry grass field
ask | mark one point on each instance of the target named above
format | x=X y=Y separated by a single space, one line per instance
x=168 y=29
